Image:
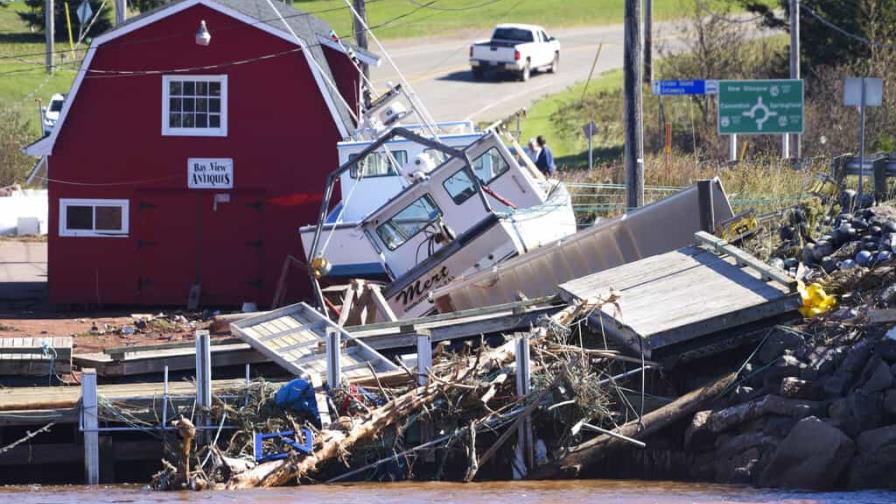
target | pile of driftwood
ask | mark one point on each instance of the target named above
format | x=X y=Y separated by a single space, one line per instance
x=467 y=420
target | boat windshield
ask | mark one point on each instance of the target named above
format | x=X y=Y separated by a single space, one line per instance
x=408 y=222
x=490 y=166
x=378 y=164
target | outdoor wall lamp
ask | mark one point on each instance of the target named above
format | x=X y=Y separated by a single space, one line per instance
x=203 y=37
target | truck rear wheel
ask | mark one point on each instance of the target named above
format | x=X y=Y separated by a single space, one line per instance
x=526 y=73
x=555 y=65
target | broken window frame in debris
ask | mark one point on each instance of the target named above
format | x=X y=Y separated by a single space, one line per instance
x=391 y=232
x=110 y=207
x=174 y=89
x=378 y=164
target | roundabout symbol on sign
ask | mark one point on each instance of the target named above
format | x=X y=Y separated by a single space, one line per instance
x=764 y=116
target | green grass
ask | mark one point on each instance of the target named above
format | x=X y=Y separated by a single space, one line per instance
x=413 y=18
x=23 y=79
x=567 y=148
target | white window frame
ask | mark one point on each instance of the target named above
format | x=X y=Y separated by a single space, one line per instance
x=169 y=131
x=64 y=203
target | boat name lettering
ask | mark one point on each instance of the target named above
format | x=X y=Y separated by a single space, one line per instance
x=415 y=291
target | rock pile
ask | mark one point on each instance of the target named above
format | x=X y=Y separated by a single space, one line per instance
x=817 y=407
x=862 y=239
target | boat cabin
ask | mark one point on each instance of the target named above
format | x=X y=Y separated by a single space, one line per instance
x=448 y=202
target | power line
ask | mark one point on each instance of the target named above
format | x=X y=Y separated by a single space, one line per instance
x=133 y=73
x=843 y=31
x=167 y=37
x=455 y=9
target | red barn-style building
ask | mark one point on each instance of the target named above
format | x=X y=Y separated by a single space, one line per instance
x=176 y=164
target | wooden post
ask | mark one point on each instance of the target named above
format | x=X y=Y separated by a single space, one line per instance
x=704 y=199
x=424 y=365
x=90 y=426
x=648 y=41
x=203 y=380
x=360 y=31
x=49 y=32
x=633 y=145
x=334 y=358
x=880 y=178
x=424 y=355
x=121 y=8
x=523 y=453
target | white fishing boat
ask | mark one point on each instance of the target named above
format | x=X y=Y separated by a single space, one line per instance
x=478 y=207
x=377 y=177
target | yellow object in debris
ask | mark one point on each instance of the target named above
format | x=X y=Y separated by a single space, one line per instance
x=815 y=300
x=320 y=267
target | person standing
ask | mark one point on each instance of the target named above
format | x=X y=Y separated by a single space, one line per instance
x=532 y=150
x=545 y=160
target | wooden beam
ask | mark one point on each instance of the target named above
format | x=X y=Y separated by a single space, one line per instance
x=382 y=306
x=744 y=259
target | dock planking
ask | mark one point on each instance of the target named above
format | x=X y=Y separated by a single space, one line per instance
x=35 y=356
x=679 y=296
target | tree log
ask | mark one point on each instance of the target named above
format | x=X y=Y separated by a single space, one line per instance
x=595 y=449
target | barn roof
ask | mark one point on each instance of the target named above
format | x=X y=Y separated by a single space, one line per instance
x=313 y=32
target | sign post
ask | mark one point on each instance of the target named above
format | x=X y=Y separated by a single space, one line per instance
x=590 y=130
x=862 y=92
x=761 y=107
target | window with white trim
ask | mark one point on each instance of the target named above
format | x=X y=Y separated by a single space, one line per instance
x=194 y=105
x=93 y=217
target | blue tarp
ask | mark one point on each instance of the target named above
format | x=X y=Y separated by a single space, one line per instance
x=298 y=396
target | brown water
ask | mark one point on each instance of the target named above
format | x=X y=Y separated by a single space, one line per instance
x=550 y=492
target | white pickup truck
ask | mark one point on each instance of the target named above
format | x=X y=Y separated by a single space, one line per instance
x=516 y=48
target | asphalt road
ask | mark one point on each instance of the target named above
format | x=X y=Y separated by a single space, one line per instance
x=439 y=71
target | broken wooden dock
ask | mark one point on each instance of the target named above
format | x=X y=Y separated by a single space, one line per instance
x=672 y=299
x=41 y=356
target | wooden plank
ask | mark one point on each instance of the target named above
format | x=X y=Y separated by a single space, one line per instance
x=119 y=352
x=681 y=295
x=394 y=338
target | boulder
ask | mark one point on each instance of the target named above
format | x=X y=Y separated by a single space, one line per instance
x=867 y=409
x=856 y=358
x=698 y=434
x=875 y=464
x=777 y=344
x=886 y=347
x=796 y=388
x=877 y=377
x=813 y=456
x=836 y=385
x=890 y=402
x=737 y=457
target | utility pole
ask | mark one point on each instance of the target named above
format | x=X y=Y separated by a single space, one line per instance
x=121 y=8
x=634 y=149
x=795 y=62
x=50 y=32
x=648 y=41
x=360 y=32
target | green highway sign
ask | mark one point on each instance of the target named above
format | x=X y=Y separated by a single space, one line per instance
x=760 y=107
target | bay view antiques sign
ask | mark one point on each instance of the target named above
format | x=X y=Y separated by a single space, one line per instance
x=209 y=173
